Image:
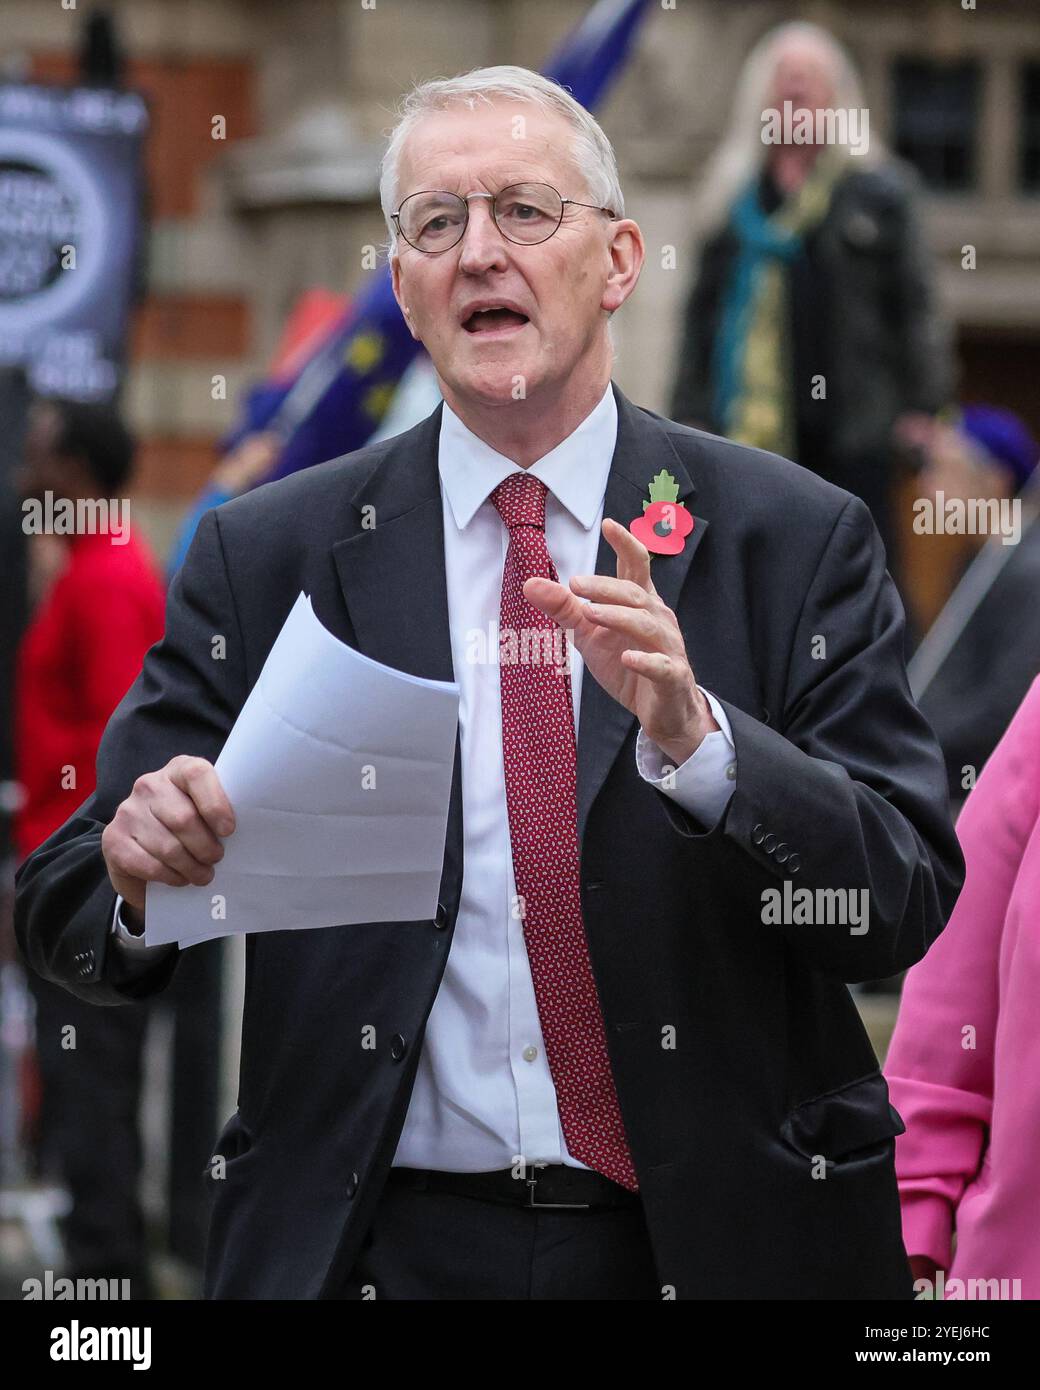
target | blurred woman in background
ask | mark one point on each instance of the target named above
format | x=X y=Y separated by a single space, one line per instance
x=810 y=328
x=964 y=1064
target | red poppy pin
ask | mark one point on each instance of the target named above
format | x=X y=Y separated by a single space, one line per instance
x=665 y=522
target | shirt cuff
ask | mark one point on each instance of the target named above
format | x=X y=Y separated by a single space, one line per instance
x=704 y=783
x=127 y=940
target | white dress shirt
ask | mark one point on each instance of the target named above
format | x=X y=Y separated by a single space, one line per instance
x=483 y=1093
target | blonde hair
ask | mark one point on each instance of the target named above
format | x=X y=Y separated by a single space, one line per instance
x=741 y=153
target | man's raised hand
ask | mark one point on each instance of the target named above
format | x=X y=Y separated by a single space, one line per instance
x=630 y=640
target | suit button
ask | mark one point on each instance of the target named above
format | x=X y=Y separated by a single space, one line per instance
x=352 y=1185
x=782 y=853
x=769 y=843
x=794 y=864
x=90 y=959
x=441 y=919
x=398 y=1047
x=758 y=834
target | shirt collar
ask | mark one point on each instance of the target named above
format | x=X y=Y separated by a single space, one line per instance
x=575 y=472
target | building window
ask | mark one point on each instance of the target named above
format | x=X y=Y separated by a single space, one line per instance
x=1030 y=157
x=935 y=119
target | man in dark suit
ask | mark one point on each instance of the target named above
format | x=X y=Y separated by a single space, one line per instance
x=621 y=1061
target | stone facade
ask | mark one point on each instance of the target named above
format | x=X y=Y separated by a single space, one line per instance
x=288 y=198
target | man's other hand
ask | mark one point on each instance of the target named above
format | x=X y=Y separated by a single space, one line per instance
x=168 y=830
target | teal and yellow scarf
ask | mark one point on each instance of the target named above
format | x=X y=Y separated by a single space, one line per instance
x=753 y=392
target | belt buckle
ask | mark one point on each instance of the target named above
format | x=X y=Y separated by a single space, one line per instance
x=532 y=1185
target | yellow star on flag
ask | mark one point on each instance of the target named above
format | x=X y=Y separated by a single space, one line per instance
x=364 y=351
x=376 y=400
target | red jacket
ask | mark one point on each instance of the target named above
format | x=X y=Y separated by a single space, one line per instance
x=80 y=654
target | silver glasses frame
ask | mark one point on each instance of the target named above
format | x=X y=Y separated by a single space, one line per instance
x=395 y=217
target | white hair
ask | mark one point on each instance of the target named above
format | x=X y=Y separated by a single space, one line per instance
x=742 y=153
x=591 y=151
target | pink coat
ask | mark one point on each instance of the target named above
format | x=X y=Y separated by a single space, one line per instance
x=964 y=1064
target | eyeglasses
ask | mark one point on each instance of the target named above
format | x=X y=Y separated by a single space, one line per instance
x=525 y=213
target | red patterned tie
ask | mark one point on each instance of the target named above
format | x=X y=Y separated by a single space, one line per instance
x=538 y=746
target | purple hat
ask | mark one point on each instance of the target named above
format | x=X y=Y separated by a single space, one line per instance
x=1005 y=436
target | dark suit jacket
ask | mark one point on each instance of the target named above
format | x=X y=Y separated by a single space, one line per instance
x=1002 y=638
x=770 y=1065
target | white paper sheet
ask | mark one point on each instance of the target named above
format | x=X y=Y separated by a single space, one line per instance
x=339 y=772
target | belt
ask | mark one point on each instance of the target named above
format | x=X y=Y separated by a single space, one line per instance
x=543 y=1185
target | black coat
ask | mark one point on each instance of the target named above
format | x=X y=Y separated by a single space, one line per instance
x=771 y=1064
x=863 y=314
x=986 y=676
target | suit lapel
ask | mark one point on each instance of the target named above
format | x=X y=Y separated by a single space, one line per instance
x=391 y=571
x=392 y=576
x=643 y=448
